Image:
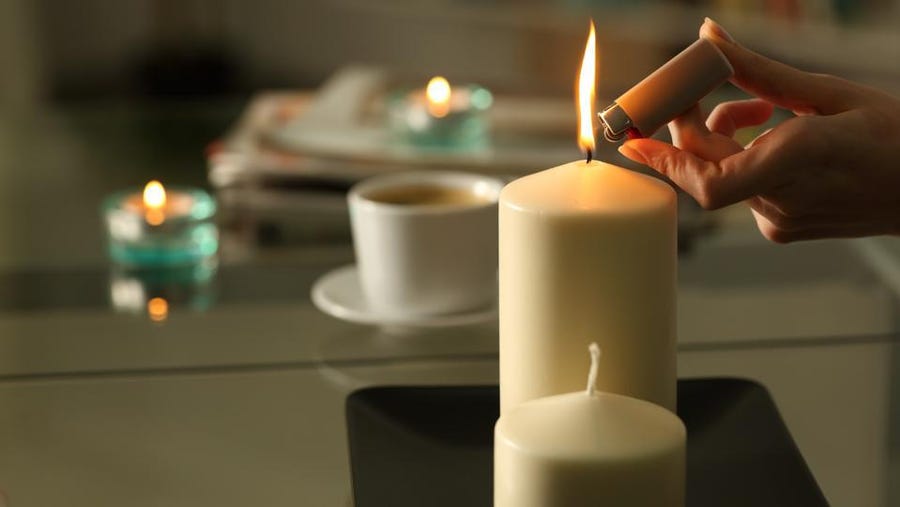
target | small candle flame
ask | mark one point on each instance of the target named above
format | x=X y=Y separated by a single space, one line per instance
x=586 y=90
x=154 y=202
x=158 y=309
x=438 y=94
x=154 y=195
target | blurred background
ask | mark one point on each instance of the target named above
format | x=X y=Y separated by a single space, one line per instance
x=100 y=94
x=232 y=96
x=97 y=95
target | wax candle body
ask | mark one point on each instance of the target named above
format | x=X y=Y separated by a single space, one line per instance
x=587 y=254
x=589 y=450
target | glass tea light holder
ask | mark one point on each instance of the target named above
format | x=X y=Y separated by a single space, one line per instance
x=441 y=116
x=160 y=228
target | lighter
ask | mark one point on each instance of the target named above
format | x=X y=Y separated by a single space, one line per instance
x=666 y=93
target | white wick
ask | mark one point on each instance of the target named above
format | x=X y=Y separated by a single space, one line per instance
x=594 y=349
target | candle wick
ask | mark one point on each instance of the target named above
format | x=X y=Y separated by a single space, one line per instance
x=590 y=156
x=594 y=349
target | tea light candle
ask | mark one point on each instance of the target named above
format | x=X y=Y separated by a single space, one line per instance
x=589 y=449
x=441 y=115
x=158 y=227
x=587 y=254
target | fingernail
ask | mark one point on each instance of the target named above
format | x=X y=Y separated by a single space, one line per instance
x=632 y=154
x=717 y=30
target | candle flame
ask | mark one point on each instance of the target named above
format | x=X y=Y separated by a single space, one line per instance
x=586 y=90
x=438 y=94
x=154 y=195
x=154 y=203
x=158 y=309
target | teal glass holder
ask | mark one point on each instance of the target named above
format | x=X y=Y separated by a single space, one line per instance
x=465 y=125
x=182 y=233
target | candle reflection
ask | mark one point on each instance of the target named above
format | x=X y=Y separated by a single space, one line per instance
x=158 y=309
x=155 y=292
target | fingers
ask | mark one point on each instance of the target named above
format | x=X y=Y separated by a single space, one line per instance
x=689 y=133
x=791 y=148
x=688 y=128
x=728 y=117
x=776 y=82
x=712 y=184
x=711 y=140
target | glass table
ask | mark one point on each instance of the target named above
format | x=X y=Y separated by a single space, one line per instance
x=239 y=399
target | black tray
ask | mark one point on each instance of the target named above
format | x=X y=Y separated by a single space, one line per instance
x=418 y=446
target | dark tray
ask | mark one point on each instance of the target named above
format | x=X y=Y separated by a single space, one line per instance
x=416 y=446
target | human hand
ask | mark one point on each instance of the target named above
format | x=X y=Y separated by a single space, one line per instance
x=831 y=171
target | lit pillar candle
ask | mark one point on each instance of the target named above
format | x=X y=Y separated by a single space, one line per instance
x=589 y=449
x=587 y=254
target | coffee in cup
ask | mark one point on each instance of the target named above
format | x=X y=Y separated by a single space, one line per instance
x=428 y=195
x=426 y=242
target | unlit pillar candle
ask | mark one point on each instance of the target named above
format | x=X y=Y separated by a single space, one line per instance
x=589 y=449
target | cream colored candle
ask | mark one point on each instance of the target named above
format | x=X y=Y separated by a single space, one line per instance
x=589 y=449
x=587 y=254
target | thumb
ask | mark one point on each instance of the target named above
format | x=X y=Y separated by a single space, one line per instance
x=781 y=84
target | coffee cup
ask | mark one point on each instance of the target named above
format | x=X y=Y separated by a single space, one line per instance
x=426 y=242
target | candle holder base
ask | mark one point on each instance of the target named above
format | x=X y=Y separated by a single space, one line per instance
x=739 y=446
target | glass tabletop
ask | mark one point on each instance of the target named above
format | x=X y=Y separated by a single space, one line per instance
x=235 y=395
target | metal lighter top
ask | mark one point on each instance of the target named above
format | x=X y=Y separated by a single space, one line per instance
x=666 y=93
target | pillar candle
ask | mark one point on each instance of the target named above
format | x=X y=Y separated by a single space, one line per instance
x=589 y=449
x=587 y=254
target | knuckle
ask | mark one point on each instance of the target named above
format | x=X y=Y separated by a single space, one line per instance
x=784 y=221
x=800 y=126
x=675 y=167
x=708 y=195
x=881 y=122
x=778 y=220
x=721 y=109
x=803 y=135
x=824 y=78
x=686 y=138
x=832 y=86
x=776 y=235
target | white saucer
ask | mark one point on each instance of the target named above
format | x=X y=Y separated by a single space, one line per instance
x=339 y=294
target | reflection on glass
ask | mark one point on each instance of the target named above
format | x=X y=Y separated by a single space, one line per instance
x=155 y=292
x=158 y=309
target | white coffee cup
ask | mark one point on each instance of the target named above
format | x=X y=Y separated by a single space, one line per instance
x=426 y=242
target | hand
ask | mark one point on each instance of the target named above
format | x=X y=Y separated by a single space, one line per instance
x=831 y=171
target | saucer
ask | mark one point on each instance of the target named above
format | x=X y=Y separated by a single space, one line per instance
x=339 y=294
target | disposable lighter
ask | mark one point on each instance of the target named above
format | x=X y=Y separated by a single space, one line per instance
x=666 y=93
